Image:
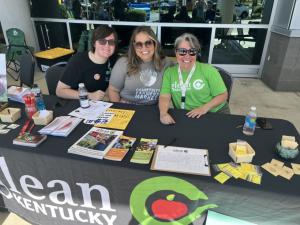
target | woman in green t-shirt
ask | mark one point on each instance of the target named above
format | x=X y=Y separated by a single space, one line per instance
x=191 y=85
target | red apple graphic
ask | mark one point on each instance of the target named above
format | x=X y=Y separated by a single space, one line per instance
x=167 y=209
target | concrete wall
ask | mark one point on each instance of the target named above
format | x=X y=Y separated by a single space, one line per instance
x=16 y=13
x=281 y=70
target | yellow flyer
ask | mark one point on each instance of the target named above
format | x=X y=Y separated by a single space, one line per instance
x=119 y=120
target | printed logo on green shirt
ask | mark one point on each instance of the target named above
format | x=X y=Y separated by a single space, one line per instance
x=167 y=200
x=198 y=84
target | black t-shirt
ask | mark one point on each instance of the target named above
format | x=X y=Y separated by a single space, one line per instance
x=80 y=69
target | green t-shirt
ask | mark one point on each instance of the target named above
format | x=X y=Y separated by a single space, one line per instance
x=205 y=84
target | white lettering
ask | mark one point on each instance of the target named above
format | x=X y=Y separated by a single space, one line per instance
x=8 y=177
x=39 y=208
x=86 y=193
x=63 y=216
x=94 y=217
x=36 y=185
x=28 y=203
x=111 y=220
x=77 y=212
x=66 y=191
x=18 y=199
x=52 y=209
x=8 y=195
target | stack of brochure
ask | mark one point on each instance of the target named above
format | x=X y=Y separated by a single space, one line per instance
x=95 y=143
x=61 y=126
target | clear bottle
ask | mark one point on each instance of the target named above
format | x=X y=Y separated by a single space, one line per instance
x=83 y=96
x=40 y=105
x=250 y=121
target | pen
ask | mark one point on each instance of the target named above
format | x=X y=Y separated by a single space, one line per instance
x=171 y=142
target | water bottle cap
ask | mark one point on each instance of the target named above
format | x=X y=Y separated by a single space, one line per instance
x=81 y=85
x=253 y=108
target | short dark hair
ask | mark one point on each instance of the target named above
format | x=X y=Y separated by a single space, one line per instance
x=102 y=32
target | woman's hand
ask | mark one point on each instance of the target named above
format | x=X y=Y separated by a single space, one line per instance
x=166 y=119
x=196 y=113
x=96 y=95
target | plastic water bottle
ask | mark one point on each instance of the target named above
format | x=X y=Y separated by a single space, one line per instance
x=83 y=96
x=250 y=121
x=40 y=105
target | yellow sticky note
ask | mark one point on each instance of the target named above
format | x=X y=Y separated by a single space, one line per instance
x=231 y=171
x=255 y=178
x=222 y=177
x=247 y=167
x=296 y=168
x=288 y=138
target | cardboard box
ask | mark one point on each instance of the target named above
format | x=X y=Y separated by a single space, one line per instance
x=44 y=120
x=241 y=158
x=47 y=58
x=10 y=115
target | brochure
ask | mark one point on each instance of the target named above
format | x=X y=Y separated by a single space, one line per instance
x=115 y=119
x=61 y=126
x=91 y=113
x=31 y=140
x=95 y=143
x=144 y=151
x=120 y=148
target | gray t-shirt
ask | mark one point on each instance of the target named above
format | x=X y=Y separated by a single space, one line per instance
x=142 y=88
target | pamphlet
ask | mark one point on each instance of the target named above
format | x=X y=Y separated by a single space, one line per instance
x=61 y=126
x=115 y=118
x=181 y=160
x=31 y=140
x=144 y=151
x=91 y=113
x=95 y=143
x=120 y=148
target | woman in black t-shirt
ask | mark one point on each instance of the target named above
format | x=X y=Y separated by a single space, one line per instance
x=91 y=68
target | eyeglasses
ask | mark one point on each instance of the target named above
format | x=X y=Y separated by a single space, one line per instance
x=110 y=42
x=147 y=44
x=184 y=51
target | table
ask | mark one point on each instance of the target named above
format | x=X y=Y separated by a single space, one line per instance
x=46 y=185
x=49 y=57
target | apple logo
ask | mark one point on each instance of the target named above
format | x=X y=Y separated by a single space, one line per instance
x=168 y=209
x=164 y=200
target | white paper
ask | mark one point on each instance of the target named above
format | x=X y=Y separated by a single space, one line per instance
x=182 y=160
x=93 y=112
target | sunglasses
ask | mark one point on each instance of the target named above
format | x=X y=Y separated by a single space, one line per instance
x=110 y=42
x=184 y=51
x=147 y=44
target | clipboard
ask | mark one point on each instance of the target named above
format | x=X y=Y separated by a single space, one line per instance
x=181 y=160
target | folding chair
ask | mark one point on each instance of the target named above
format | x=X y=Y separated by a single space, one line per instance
x=226 y=76
x=53 y=75
x=16 y=47
x=26 y=71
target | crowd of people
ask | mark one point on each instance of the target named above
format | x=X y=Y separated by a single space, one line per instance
x=145 y=76
x=202 y=12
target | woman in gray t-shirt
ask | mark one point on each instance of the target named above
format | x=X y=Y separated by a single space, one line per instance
x=137 y=77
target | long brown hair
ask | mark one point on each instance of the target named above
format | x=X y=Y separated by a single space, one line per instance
x=134 y=61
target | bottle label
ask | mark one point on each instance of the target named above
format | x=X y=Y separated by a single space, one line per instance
x=250 y=122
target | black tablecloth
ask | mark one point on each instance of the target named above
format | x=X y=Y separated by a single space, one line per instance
x=275 y=201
